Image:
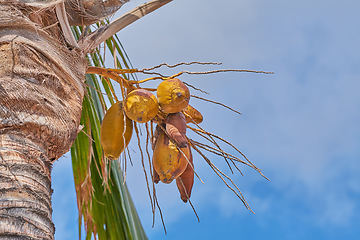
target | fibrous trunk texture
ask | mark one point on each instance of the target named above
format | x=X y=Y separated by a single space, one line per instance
x=25 y=190
x=41 y=93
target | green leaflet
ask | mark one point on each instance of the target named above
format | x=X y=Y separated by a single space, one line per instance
x=103 y=199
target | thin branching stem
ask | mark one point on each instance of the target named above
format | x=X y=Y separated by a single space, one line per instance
x=111 y=89
x=221 y=104
x=161 y=215
x=221 y=70
x=232 y=159
x=220 y=174
x=110 y=73
x=179 y=64
x=193 y=208
x=188 y=198
x=148 y=139
x=87 y=85
x=220 y=153
x=230 y=144
x=195 y=88
x=212 y=141
x=142 y=162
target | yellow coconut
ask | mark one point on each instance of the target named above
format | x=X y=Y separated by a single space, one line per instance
x=141 y=105
x=192 y=115
x=173 y=95
x=168 y=161
x=116 y=131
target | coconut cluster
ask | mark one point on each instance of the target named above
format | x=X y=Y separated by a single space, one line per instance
x=170 y=109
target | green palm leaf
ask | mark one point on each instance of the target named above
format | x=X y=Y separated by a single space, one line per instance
x=103 y=199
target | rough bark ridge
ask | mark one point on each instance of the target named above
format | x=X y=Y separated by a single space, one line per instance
x=25 y=190
x=41 y=95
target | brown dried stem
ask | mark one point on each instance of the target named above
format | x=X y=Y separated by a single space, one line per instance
x=216 y=152
x=143 y=164
x=179 y=64
x=230 y=144
x=219 y=173
x=100 y=35
x=110 y=73
x=220 y=70
x=212 y=140
x=221 y=104
x=148 y=139
x=188 y=198
x=195 y=88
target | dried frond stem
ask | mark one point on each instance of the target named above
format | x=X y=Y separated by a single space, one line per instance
x=100 y=35
x=65 y=26
x=110 y=74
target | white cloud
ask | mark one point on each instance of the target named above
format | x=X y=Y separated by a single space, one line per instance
x=300 y=125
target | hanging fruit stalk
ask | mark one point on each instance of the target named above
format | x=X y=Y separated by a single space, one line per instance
x=173 y=95
x=169 y=161
x=185 y=182
x=116 y=131
x=141 y=105
x=192 y=115
x=160 y=117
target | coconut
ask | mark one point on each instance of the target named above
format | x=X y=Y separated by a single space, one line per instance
x=192 y=115
x=169 y=161
x=141 y=105
x=173 y=95
x=116 y=131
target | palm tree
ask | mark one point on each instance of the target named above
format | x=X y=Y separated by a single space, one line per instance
x=48 y=104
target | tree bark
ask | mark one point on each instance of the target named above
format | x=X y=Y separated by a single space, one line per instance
x=41 y=92
x=25 y=195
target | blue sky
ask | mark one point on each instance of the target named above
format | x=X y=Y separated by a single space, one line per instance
x=300 y=125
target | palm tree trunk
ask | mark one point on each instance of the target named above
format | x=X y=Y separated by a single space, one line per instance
x=25 y=180
x=41 y=93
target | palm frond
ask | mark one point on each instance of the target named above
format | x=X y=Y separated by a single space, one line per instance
x=103 y=199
